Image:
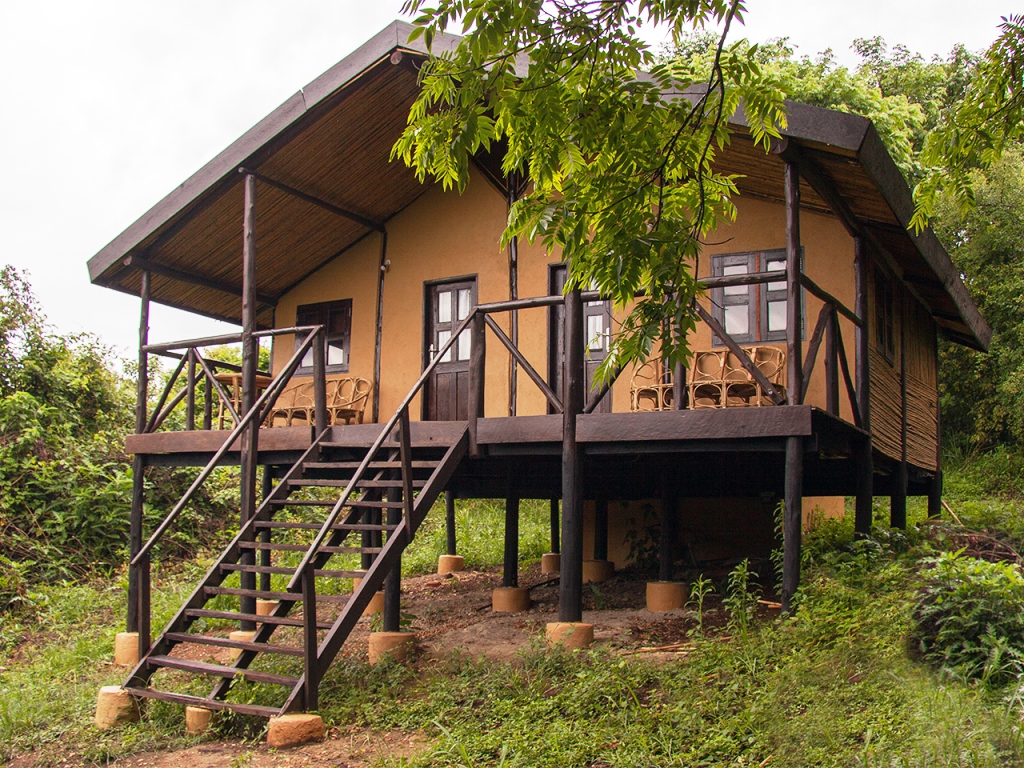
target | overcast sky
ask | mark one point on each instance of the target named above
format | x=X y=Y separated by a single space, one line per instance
x=108 y=105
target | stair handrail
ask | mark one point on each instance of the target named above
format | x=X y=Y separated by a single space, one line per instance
x=272 y=391
x=385 y=432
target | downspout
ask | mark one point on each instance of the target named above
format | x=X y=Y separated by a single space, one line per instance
x=383 y=268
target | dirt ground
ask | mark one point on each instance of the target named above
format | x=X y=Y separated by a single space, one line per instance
x=449 y=613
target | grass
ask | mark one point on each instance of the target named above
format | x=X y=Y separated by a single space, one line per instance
x=833 y=686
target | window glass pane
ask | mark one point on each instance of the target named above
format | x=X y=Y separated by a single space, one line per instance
x=463 y=344
x=776 y=265
x=776 y=316
x=336 y=352
x=737 y=320
x=442 y=339
x=464 y=299
x=307 y=359
x=595 y=333
x=736 y=269
x=444 y=306
x=337 y=324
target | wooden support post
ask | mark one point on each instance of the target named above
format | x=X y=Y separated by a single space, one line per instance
x=477 y=358
x=190 y=390
x=555 y=544
x=139 y=461
x=311 y=690
x=378 y=333
x=208 y=395
x=601 y=528
x=512 y=183
x=935 y=485
x=449 y=523
x=865 y=466
x=792 y=520
x=250 y=361
x=898 y=497
x=393 y=583
x=267 y=486
x=794 y=319
x=320 y=417
x=667 y=536
x=832 y=365
x=510 y=569
x=570 y=590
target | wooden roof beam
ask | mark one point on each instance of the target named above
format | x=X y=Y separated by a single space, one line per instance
x=187 y=277
x=312 y=200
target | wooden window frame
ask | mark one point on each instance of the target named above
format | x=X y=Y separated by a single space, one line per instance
x=319 y=313
x=757 y=297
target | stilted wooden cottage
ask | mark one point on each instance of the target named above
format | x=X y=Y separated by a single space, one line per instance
x=412 y=356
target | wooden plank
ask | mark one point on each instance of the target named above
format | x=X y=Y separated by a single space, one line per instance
x=197 y=701
x=224 y=642
x=250 y=362
x=378 y=330
x=281 y=621
x=138 y=462
x=517 y=356
x=451 y=546
x=828 y=298
x=311 y=662
x=812 y=349
x=700 y=424
x=313 y=200
x=832 y=366
x=204 y=668
x=865 y=469
x=510 y=566
x=148 y=265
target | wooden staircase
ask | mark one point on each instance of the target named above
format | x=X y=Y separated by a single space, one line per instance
x=335 y=490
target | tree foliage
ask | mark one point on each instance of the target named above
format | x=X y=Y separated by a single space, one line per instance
x=620 y=164
x=65 y=482
x=974 y=131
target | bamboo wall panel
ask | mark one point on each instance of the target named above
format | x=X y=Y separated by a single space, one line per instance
x=922 y=446
x=886 y=401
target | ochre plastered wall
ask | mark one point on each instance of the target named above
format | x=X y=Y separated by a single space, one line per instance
x=447 y=235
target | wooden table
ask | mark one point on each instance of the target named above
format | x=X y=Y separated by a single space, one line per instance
x=232 y=381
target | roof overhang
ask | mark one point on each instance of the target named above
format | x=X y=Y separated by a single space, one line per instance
x=331 y=143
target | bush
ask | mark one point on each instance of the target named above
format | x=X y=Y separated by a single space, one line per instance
x=969 y=617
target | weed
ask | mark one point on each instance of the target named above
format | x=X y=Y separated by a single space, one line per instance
x=699 y=590
x=741 y=599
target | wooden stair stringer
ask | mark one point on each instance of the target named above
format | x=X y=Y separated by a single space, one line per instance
x=374 y=579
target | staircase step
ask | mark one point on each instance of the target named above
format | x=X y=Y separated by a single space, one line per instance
x=281 y=621
x=376 y=504
x=302 y=502
x=199 y=701
x=281 y=569
x=203 y=668
x=317 y=526
x=271 y=545
x=265 y=595
x=371 y=465
x=362 y=483
x=223 y=642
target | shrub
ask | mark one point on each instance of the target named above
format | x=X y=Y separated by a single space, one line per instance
x=969 y=617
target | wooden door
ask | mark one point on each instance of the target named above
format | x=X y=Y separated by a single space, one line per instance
x=597 y=322
x=447 y=395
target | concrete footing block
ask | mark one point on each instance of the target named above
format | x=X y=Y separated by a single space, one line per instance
x=510 y=599
x=569 y=634
x=376 y=604
x=126 y=649
x=596 y=571
x=114 y=707
x=240 y=636
x=665 y=595
x=266 y=607
x=400 y=646
x=198 y=720
x=550 y=562
x=450 y=564
x=293 y=730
